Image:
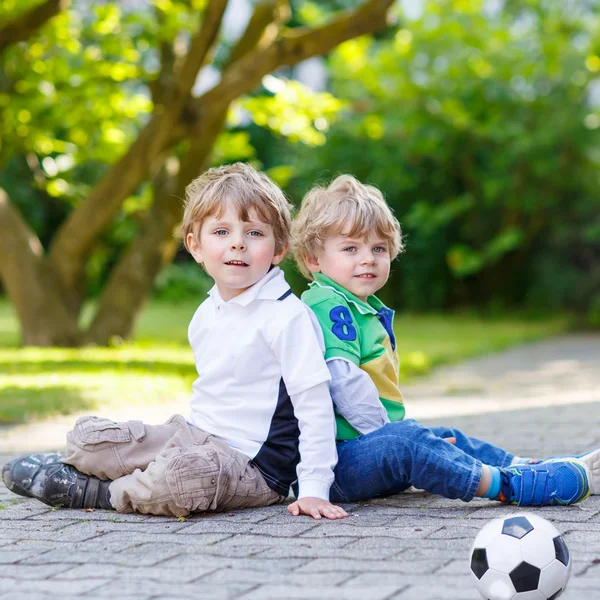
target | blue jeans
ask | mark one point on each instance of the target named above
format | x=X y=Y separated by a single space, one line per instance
x=404 y=453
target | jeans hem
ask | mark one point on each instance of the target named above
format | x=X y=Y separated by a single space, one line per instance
x=474 y=483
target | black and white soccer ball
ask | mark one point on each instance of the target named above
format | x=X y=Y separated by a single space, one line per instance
x=520 y=557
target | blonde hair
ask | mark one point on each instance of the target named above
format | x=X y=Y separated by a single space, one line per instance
x=242 y=187
x=344 y=207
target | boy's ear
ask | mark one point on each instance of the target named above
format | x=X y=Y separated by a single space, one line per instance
x=279 y=256
x=194 y=247
x=312 y=263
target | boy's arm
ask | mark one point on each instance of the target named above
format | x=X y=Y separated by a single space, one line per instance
x=355 y=396
x=306 y=377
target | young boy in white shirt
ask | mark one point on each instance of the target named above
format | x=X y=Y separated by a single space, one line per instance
x=260 y=413
x=345 y=237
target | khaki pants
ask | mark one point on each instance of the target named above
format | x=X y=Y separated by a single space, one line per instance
x=172 y=469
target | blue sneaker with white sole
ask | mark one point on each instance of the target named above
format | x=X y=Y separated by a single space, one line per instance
x=552 y=482
x=590 y=459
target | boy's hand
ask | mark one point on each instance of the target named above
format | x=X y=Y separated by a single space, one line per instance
x=315 y=508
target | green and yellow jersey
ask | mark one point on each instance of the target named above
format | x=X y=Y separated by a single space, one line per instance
x=362 y=333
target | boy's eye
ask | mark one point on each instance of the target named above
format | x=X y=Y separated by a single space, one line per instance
x=350 y=249
x=379 y=249
x=255 y=233
x=221 y=232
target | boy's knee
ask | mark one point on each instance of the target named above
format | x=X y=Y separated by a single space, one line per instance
x=93 y=435
x=193 y=478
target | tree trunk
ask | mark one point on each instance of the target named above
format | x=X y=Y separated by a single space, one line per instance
x=132 y=279
x=31 y=284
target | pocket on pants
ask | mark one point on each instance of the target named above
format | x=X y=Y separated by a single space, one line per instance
x=193 y=478
x=95 y=433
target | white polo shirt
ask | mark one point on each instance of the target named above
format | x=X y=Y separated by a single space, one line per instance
x=262 y=383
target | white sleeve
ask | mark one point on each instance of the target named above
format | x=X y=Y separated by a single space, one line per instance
x=355 y=396
x=318 y=454
x=305 y=375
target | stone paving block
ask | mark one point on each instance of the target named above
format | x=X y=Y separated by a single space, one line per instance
x=74 y=557
x=292 y=528
x=22 y=510
x=74 y=532
x=316 y=551
x=49 y=596
x=181 y=591
x=454 y=532
x=263 y=565
x=16 y=587
x=440 y=591
x=8 y=557
x=95 y=514
x=286 y=578
x=24 y=525
x=250 y=540
x=274 y=592
x=183 y=574
x=254 y=515
x=38 y=545
x=116 y=541
x=357 y=566
x=340 y=529
x=567 y=514
x=27 y=572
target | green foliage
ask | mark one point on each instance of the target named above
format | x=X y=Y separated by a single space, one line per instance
x=479 y=128
x=181 y=282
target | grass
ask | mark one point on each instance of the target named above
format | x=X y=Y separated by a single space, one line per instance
x=157 y=365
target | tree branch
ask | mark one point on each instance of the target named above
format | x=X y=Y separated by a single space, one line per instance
x=78 y=233
x=200 y=45
x=26 y=25
x=293 y=47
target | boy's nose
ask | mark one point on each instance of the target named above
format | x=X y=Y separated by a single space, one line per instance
x=238 y=245
x=368 y=259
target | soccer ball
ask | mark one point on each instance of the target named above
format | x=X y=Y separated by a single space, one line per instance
x=520 y=557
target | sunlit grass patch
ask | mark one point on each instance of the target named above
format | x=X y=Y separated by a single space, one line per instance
x=32 y=396
x=425 y=341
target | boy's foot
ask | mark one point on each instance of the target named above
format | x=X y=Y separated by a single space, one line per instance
x=19 y=473
x=55 y=483
x=553 y=482
x=590 y=459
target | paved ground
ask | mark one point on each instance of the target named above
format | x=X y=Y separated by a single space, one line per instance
x=536 y=400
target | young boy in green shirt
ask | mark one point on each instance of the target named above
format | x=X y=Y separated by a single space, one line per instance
x=345 y=237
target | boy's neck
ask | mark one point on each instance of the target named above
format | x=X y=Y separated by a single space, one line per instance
x=322 y=279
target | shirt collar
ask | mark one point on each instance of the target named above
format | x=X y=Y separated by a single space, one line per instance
x=371 y=306
x=271 y=287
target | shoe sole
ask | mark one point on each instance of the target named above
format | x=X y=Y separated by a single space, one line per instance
x=592 y=461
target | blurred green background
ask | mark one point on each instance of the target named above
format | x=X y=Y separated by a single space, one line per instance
x=479 y=121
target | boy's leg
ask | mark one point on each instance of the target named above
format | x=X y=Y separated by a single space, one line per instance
x=97 y=449
x=191 y=472
x=398 y=455
x=498 y=457
x=109 y=450
x=484 y=451
x=403 y=453
x=195 y=473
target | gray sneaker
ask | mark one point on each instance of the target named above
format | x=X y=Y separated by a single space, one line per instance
x=44 y=477
x=18 y=474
